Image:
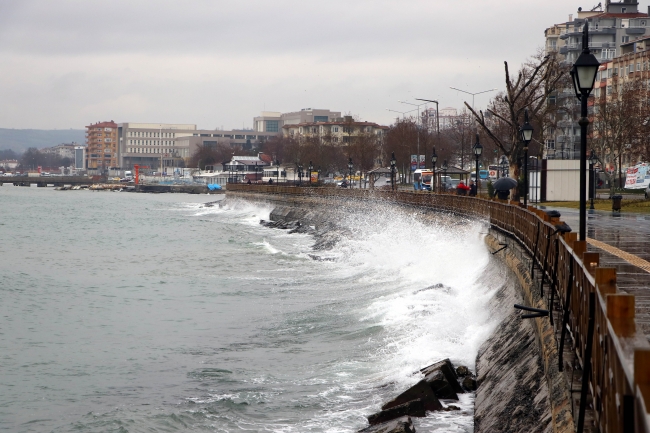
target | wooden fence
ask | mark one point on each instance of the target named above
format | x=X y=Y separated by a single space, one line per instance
x=613 y=354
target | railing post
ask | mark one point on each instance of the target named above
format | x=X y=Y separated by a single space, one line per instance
x=586 y=367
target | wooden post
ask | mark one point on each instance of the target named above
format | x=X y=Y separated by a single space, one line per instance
x=620 y=312
x=642 y=372
x=606 y=280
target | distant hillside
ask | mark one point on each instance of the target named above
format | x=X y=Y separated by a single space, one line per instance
x=20 y=140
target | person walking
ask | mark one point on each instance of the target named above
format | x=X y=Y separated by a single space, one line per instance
x=472 y=188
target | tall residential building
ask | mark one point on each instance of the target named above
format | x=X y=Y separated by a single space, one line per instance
x=102 y=147
x=449 y=118
x=619 y=24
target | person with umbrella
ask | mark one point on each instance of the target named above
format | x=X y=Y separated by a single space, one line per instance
x=503 y=186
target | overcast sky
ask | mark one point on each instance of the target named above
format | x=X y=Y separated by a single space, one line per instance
x=216 y=63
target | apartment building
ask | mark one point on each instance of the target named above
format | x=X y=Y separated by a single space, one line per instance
x=273 y=121
x=102 y=147
x=449 y=117
x=340 y=130
x=63 y=150
x=611 y=28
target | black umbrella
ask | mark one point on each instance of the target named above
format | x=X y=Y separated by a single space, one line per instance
x=504 y=184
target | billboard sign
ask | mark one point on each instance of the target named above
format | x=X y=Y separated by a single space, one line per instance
x=414 y=162
x=423 y=163
x=638 y=177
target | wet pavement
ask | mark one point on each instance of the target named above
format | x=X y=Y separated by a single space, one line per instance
x=629 y=234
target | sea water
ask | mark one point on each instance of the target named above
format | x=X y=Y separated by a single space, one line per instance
x=126 y=312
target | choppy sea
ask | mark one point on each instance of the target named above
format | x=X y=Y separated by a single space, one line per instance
x=124 y=312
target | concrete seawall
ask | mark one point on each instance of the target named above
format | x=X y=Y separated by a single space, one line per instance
x=519 y=388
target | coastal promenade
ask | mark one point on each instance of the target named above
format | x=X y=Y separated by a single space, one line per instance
x=591 y=294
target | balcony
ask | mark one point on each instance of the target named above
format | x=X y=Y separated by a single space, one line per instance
x=635 y=31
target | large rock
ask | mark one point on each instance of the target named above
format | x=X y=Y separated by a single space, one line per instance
x=462 y=371
x=420 y=390
x=399 y=425
x=469 y=383
x=412 y=408
x=440 y=385
x=447 y=369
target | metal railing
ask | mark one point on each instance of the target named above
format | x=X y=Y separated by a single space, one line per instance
x=614 y=355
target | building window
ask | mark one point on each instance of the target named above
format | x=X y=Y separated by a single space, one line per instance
x=336 y=129
x=550 y=144
x=609 y=90
x=320 y=119
x=625 y=39
x=272 y=125
x=638 y=66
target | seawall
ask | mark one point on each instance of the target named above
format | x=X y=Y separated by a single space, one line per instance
x=518 y=390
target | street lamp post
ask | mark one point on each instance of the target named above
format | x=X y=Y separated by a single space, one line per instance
x=350 y=166
x=437 y=113
x=593 y=159
x=473 y=94
x=392 y=170
x=434 y=159
x=504 y=165
x=444 y=169
x=277 y=171
x=526 y=132
x=300 y=175
x=478 y=150
x=311 y=168
x=584 y=74
x=417 y=126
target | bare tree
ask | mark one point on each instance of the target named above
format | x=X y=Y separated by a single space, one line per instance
x=536 y=80
x=619 y=125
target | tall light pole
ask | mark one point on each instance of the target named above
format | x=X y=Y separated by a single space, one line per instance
x=526 y=132
x=473 y=94
x=478 y=150
x=350 y=166
x=434 y=159
x=593 y=159
x=392 y=170
x=417 y=125
x=401 y=112
x=584 y=74
x=437 y=113
x=444 y=169
x=504 y=165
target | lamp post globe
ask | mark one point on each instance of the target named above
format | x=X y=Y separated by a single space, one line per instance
x=526 y=132
x=434 y=159
x=583 y=74
x=478 y=150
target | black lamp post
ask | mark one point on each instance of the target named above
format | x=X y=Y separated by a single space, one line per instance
x=277 y=171
x=478 y=150
x=593 y=159
x=318 y=175
x=350 y=166
x=526 y=132
x=392 y=170
x=311 y=168
x=504 y=165
x=300 y=175
x=444 y=169
x=434 y=159
x=584 y=74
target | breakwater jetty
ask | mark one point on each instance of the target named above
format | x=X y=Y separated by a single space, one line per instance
x=594 y=358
